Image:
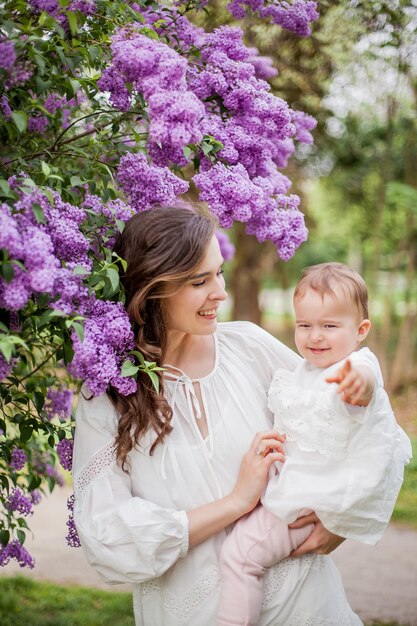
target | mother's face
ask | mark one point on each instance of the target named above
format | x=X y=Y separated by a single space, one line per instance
x=193 y=309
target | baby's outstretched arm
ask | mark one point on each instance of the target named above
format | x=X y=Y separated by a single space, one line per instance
x=355 y=383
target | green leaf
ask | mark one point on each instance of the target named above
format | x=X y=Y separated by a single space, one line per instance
x=113 y=276
x=155 y=380
x=38 y=400
x=26 y=431
x=79 y=329
x=75 y=84
x=5 y=187
x=129 y=369
x=7 y=271
x=21 y=536
x=20 y=119
x=38 y=213
x=72 y=21
x=34 y=482
x=76 y=181
x=94 y=52
x=4 y=537
x=46 y=170
x=48 y=316
x=139 y=356
x=80 y=270
x=188 y=153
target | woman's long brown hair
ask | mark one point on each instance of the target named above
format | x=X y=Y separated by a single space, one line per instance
x=162 y=248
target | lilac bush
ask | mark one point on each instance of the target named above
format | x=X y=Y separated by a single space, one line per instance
x=106 y=109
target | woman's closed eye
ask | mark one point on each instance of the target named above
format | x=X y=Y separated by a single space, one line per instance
x=203 y=282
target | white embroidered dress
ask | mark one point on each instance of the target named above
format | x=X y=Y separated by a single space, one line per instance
x=344 y=462
x=134 y=527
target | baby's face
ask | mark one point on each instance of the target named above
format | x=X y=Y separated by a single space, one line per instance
x=327 y=328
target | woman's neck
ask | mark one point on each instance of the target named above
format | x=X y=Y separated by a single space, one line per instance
x=193 y=354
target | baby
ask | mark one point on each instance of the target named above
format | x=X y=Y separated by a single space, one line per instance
x=345 y=453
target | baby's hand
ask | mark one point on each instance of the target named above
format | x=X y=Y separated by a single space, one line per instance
x=355 y=383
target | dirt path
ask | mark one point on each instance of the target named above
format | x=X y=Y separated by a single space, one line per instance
x=380 y=581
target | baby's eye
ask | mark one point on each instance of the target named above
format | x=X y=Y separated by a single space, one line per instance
x=330 y=326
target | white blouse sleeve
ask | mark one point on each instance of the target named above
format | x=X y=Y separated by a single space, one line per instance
x=125 y=538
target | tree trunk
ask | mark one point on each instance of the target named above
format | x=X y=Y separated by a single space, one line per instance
x=247 y=276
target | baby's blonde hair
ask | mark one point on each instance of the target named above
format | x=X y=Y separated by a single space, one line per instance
x=325 y=277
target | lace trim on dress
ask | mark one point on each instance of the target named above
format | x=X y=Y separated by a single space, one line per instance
x=181 y=607
x=304 y=619
x=276 y=576
x=311 y=418
x=96 y=465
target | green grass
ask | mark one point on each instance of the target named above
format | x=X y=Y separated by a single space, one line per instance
x=406 y=506
x=24 y=602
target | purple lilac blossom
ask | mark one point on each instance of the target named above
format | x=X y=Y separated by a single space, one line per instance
x=295 y=17
x=175 y=121
x=146 y=185
x=88 y=7
x=7 y=55
x=58 y=402
x=64 y=450
x=303 y=125
x=230 y=193
x=14 y=550
x=53 y=473
x=72 y=538
x=264 y=69
x=5 y=366
x=19 y=459
x=17 y=501
x=35 y=496
x=227 y=249
x=5 y=106
x=147 y=64
x=37 y=124
x=108 y=337
x=172 y=25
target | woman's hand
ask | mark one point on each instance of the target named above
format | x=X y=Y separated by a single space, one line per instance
x=321 y=540
x=266 y=448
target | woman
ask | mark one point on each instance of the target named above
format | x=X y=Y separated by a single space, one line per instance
x=160 y=477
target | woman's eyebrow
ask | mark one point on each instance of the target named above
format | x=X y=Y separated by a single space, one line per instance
x=199 y=275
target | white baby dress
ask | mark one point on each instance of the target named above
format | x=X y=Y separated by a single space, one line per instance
x=344 y=462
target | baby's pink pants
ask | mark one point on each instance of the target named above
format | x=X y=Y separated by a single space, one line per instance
x=258 y=541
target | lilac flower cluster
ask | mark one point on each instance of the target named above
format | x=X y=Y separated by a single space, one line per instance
x=19 y=459
x=55 y=10
x=42 y=463
x=147 y=185
x=227 y=249
x=58 y=402
x=221 y=92
x=157 y=71
x=108 y=337
x=15 y=550
x=17 y=72
x=295 y=16
x=5 y=106
x=64 y=450
x=17 y=501
x=5 y=367
x=72 y=538
x=37 y=124
x=35 y=496
x=7 y=55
